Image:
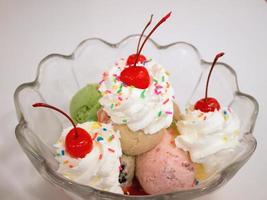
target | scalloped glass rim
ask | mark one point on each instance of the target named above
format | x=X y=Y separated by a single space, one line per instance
x=85 y=191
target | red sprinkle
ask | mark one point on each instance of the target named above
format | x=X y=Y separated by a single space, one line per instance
x=100 y=156
x=166 y=101
x=101 y=82
x=168 y=112
x=157 y=92
x=159 y=87
x=111 y=150
x=94 y=136
x=134 y=189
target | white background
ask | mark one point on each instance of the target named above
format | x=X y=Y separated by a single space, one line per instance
x=31 y=29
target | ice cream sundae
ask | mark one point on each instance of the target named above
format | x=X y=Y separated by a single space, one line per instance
x=128 y=135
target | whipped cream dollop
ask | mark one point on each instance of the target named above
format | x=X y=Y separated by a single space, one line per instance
x=100 y=167
x=149 y=109
x=211 y=138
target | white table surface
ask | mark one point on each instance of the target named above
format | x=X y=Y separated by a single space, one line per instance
x=30 y=30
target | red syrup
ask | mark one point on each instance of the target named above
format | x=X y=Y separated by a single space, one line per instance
x=134 y=189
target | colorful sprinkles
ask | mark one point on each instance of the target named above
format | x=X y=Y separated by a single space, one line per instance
x=94 y=136
x=166 y=101
x=101 y=81
x=168 y=112
x=120 y=88
x=111 y=138
x=225 y=115
x=143 y=94
x=111 y=150
x=99 y=138
x=147 y=61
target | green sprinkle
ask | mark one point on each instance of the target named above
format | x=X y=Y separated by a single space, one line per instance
x=124 y=121
x=112 y=106
x=99 y=138
x=110 y=138
x=155 y=80
x=159 y=114
x=120 y=89
x=143 y=94
x=163 y=78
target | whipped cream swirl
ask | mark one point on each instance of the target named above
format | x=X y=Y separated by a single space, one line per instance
x=149 y=109
x=100 y=167
x=209 y=137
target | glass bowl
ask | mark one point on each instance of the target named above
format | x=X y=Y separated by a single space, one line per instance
x=59 y=77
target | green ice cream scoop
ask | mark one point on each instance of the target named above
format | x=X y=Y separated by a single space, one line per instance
x=84 y=104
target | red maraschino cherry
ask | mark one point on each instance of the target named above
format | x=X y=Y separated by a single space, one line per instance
x=135 y=58
x=209 y=104
x=135 y=76
x=78 y=141
x=138 y=76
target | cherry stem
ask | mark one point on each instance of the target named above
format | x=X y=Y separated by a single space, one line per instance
x=60 y=111
x=212 y=66
x=152 y=31
x=139 y=41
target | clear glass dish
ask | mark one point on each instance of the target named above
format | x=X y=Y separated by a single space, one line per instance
x=60 y=76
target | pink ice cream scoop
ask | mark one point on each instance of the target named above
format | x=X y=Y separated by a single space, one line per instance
x=165 y=168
